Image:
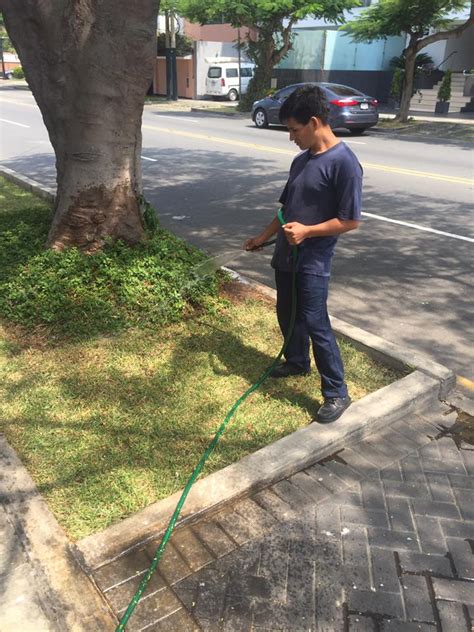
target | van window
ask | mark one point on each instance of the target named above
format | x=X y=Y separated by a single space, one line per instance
x=214 y=72
x=246 y=72
x=231 y=72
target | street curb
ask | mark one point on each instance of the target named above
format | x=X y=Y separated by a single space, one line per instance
x=237 y=114
x=72 y=601
x=399 y=357
x=27 y=183
x=260 y=469
x=284 y=457
x=287 y=455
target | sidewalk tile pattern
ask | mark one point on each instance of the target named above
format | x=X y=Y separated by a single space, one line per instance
x=379 y=536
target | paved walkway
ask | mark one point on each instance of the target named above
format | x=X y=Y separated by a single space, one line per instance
x=42 y=587
x=20 y=594
x=378 y=537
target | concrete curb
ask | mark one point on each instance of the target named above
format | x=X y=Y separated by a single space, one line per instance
x=27 y=183
x=214 y=113
x=397 y=356
x=286 y=456
x=262 y=468
x=72 y=601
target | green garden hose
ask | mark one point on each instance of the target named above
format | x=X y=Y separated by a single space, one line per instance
x=197 y=470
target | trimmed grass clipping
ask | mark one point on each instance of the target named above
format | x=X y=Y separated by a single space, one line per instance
x=110 y=420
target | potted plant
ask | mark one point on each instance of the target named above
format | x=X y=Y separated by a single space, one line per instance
x=444 y=94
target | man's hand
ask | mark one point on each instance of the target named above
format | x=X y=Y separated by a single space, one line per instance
x=295 y=232
x=253 y=243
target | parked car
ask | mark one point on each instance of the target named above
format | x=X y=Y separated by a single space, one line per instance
x=348 y=107
x=223 y=79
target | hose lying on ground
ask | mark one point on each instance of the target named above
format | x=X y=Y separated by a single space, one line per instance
x=197 y=470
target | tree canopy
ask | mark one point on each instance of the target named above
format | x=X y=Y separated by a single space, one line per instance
x=271 y=23
x=417 y=20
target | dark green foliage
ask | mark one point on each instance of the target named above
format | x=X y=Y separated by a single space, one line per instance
x=150 y=218
x=184 y=44
x=396 y=85
x=422 y=59
x=78 y=295
x=444 y=92
x=18 y=73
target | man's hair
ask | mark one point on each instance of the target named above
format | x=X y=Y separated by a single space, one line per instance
x=303 y=104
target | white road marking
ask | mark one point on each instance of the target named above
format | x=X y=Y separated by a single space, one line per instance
x=13 y=123
x=417 y=227
x=353 y=142
x=177 y=118
x=150 y=159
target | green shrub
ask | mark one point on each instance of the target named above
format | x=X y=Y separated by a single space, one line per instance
x=18 y=73
x=397 y=82
x=444 y=92
x=76 y=295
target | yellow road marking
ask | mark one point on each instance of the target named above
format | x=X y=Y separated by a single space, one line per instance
x=218 y=139
x=464 y=381
x=275 y=150
x=419 y=174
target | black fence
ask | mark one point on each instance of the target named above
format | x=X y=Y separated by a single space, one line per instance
x=375 y=83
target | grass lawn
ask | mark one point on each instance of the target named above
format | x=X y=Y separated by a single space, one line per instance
x=107 y=424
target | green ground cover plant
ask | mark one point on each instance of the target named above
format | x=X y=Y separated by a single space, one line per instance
x=112 y=420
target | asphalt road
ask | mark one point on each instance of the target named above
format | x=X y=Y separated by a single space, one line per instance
x=216 y=180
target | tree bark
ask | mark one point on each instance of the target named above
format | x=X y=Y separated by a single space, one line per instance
x=407 y=85
x=89 y=64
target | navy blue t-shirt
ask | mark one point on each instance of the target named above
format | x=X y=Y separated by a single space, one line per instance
x=320 y=187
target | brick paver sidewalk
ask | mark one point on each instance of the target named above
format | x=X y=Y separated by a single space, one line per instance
x=378 y=537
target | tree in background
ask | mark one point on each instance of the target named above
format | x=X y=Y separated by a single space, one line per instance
x=415 y=20
x=272 y=22
x=89 y=64
x=7 y=45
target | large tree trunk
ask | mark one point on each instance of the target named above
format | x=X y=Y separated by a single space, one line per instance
x=89 y=64
x=407 y=86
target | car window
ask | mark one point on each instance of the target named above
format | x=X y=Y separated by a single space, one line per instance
x=284 y=93
x=231 y=72
x=246 y=72
x=344 y=91
x=214 y=72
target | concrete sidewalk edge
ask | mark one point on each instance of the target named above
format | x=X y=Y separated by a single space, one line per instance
x=268 y=465
x=70 y=600
x=28 y=184
x=397 y=356
x=282 y=458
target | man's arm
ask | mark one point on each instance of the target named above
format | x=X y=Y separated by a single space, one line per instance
x=297 y=233
x=269 y=231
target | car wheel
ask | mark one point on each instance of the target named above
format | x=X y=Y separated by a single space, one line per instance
x=260 y=118
x=233 y=95
x=357 y=131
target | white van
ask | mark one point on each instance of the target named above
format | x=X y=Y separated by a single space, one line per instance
x=222 y=78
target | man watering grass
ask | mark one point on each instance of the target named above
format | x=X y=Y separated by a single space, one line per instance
x=321 y=200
